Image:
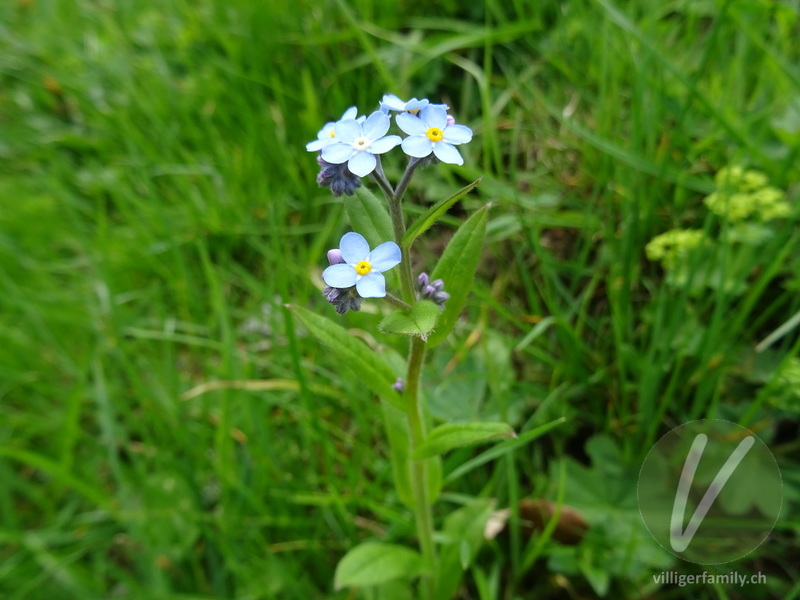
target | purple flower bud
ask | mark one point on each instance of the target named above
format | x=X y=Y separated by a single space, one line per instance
x=335 y=256
x=399 y=385
x=451 y=120
x=431 y=290
x=337 y=177
x=344 y=299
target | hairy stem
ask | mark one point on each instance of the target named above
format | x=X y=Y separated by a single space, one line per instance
x=380 y=178
x=423 y=512
x=406 y=179
x=396 y=302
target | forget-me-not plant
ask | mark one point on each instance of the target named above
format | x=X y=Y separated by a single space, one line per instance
x=348 y=150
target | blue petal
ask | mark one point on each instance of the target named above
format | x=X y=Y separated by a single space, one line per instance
x=457 y=134
x=371 y=285
x=385 y=256
x=354 y=248
x=447 y=153
x=416 y=145
x=318 y=145
x=362 y=163
x=432 y=116
x=350 y=113
x=384 y=144
x=340 y=276
x=392 y=102
x=376 y=125
x=415 y=104
x=410 y=124
x=347 y=130
x=337 y=153
x=326 y=131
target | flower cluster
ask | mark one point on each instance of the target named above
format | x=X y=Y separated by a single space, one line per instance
x=431 y=290
x=673 y=247
x=744 y=195
x=349 y=148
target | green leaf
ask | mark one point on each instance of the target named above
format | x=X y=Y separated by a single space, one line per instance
x=372 y=371
x=374 y=563
x=398 y=434
x=502 y=449
x=456 y=435
x=369 y=216
x=457 y=269
x=463 y=538
x=424 y=222
x=420 y=320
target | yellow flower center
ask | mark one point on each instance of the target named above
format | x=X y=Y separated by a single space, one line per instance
x=434 y=134
x=363 y=267
x=333 y=133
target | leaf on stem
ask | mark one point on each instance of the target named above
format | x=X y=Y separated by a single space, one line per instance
x=424 y=222
x=372 y=371
x=456 y=435
x=374 y=563
x=420 y=320
x=456 y=268
x=369 y=217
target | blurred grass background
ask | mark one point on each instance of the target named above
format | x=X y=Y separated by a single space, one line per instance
x=157 y=208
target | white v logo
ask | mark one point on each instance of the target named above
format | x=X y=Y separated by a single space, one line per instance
x=679 y=538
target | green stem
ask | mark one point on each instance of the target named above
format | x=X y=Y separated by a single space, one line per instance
x=399 y=227
x=423 y=512
x=394 y=300
x=406 y=178
x=380 y=178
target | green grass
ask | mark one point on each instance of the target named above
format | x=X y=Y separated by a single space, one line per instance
x=159 y=208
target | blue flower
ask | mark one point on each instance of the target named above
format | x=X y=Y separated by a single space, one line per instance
x=326 y=136
x=392 y=102
x=357 y=144
x=430 y=132
x=362 y=268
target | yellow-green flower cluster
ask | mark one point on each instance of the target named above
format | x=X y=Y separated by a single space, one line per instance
x=786 y=386
x=673 y=245
x=744 y=195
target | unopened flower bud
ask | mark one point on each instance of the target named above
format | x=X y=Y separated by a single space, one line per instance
x=431 y=290
x=335 y=256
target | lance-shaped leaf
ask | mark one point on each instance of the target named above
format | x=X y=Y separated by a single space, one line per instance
x=420 y=320
x=456 y=268
x=398 y=434
x=372 y=371
x=456 y=435
x=369 y=217
x=502 y=449
x=424 y=222
x=374 y=563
